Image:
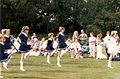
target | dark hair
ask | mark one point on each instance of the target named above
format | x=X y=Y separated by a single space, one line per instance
x=92 y=33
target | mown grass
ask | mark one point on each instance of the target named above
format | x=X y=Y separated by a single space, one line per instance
x=86 y=68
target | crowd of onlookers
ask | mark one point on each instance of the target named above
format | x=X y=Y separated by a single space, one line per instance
x=76 y=46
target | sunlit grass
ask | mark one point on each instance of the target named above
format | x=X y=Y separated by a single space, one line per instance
x=86 y=68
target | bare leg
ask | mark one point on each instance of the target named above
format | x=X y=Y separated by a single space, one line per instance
x=26 y=54
x=48 y=58
x=93 y=50
x=0 y=70
x=63 y=52
x=8 y=61
x=22 y=61
x=110 y=60
x=77 y=55
x=90 y=51
x=72 y=53
x=58 y=59
x=5 y=65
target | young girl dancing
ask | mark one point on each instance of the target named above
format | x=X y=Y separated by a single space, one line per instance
x=49 y=47
x=8 y=45
x=24 y=47
x=2 y=50
x=3 y=56
x=61 y=44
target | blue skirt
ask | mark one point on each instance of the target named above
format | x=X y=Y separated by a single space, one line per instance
x=24 y=48
x=62 y=46
x=49 y=51
x=5 y=57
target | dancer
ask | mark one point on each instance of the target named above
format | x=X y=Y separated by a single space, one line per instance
x=8 y=46
x=22 y=39
x=61 y=44
x=2 y=50
x=49 y=47
x=4 y=57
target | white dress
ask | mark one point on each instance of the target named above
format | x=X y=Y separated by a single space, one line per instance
x=112 y=47
x=106 y=41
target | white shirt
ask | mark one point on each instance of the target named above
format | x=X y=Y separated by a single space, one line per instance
x=92 y=40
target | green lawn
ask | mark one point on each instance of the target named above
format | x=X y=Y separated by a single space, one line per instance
x=37 y=68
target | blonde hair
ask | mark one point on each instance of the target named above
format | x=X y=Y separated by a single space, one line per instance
x=118 y=41
x=61 y=28
x=24 y=28
x=1 y=36
x=50 y=34
x=3 y=31
x=99 y=35
x=75 y=35
x=113 y=33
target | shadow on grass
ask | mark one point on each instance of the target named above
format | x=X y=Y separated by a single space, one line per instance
x=11 y=72
x=53 y=71
x=26 y=77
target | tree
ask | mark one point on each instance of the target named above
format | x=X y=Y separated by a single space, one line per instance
x=45 y=16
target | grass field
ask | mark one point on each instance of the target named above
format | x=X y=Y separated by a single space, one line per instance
x=86 y=68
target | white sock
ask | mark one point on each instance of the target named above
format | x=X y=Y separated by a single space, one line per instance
x=8 y=62
x=53 y=52
x=58 y=60
x=5 y=65
x=45 y=54
x=109 y=64
x=21 y=65
x=26 y=54
x=48 y=59
x=62 y=53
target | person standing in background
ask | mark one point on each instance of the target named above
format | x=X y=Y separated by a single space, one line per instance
x=112 y=47
x=99 y=47
x=106 y=41
x=92 y=43
x=83 y=38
